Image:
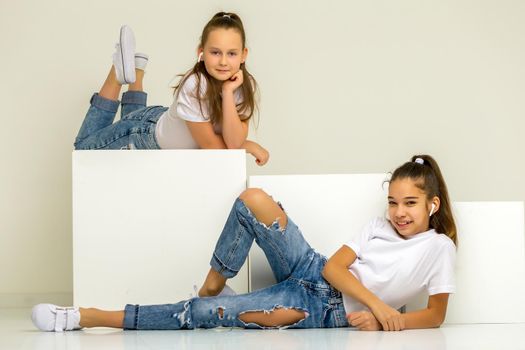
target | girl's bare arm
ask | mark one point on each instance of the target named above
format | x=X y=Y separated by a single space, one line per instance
x=431 y=317
x=234 y=130
x=337 y=274
x=206 y=138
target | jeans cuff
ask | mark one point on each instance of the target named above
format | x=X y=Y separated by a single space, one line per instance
x=130 y=316
x=104 y=103
x=135 y=97
x=218 y=266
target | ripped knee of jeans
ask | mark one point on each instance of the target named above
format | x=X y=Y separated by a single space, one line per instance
x=275 y=225
x=280 y=317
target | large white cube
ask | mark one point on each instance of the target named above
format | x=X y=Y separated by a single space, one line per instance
x=490 y=265
x=145 y=222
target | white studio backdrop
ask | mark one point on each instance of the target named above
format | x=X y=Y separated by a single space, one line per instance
x=347 y=87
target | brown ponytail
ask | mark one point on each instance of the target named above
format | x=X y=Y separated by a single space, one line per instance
x=428 y=177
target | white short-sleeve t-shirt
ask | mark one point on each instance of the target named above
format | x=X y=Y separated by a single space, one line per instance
x=396 y=269
x=171 y=131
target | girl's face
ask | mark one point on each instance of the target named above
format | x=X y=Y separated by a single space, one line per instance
x=408 y=207
x=223 y=53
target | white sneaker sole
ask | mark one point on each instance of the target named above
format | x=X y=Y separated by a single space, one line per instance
x=127 y=54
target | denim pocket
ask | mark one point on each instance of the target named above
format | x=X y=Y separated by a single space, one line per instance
x=135 y=115
x=143 y=138
x=334 y=316
x=153 y=113
x=322 y=290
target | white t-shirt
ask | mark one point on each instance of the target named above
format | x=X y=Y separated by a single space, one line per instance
x=396 y=269
x=171 y=131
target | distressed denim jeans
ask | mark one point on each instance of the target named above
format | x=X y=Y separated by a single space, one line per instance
x=134 y=130
x=297 y=269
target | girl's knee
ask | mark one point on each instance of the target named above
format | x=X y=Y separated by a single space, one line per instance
x=262 y=205
x=253 y=196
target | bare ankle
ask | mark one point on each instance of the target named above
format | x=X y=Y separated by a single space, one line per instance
x=206 y=291
x=85 y=318
x=92 y=317
x=213 y=284
x=137 y=85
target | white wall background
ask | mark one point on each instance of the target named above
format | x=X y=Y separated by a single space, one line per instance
x=346 y=87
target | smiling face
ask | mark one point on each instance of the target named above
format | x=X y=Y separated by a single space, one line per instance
x=409 y=207
x=223 y=53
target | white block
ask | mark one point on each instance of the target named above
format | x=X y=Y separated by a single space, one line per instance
x=328 y=209
x=145 y=222
x=490 y=266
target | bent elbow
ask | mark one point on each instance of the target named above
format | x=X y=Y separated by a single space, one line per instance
x=438 y=320
x=211 y=145
x=234 y=145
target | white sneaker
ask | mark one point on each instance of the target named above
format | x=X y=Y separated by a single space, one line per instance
x=124 y=56
x=141 y=60
x=49 y=317
x=226 y=291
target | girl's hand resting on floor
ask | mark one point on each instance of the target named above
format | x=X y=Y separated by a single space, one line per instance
x=364 y=321
x=389 y=318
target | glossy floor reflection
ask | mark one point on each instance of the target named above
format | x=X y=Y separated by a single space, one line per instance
x=17 y=332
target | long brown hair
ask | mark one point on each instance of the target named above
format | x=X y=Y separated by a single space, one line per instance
x=212 y=96
x=428 y=177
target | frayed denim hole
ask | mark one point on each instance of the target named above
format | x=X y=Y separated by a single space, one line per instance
x=181 y=316
x=275 y=307
x=249 y=215
x=277 y=227
x=274 y=226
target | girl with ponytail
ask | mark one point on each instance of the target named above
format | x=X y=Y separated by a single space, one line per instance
x=213 y=104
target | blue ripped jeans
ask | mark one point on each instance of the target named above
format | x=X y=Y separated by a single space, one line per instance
x=134 y=130
x=297 y=269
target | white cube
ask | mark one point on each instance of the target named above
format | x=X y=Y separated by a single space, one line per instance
x=145 y=223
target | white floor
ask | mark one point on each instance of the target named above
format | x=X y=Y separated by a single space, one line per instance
x=17 y=332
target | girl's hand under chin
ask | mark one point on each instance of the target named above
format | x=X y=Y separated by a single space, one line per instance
x=234 y=82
